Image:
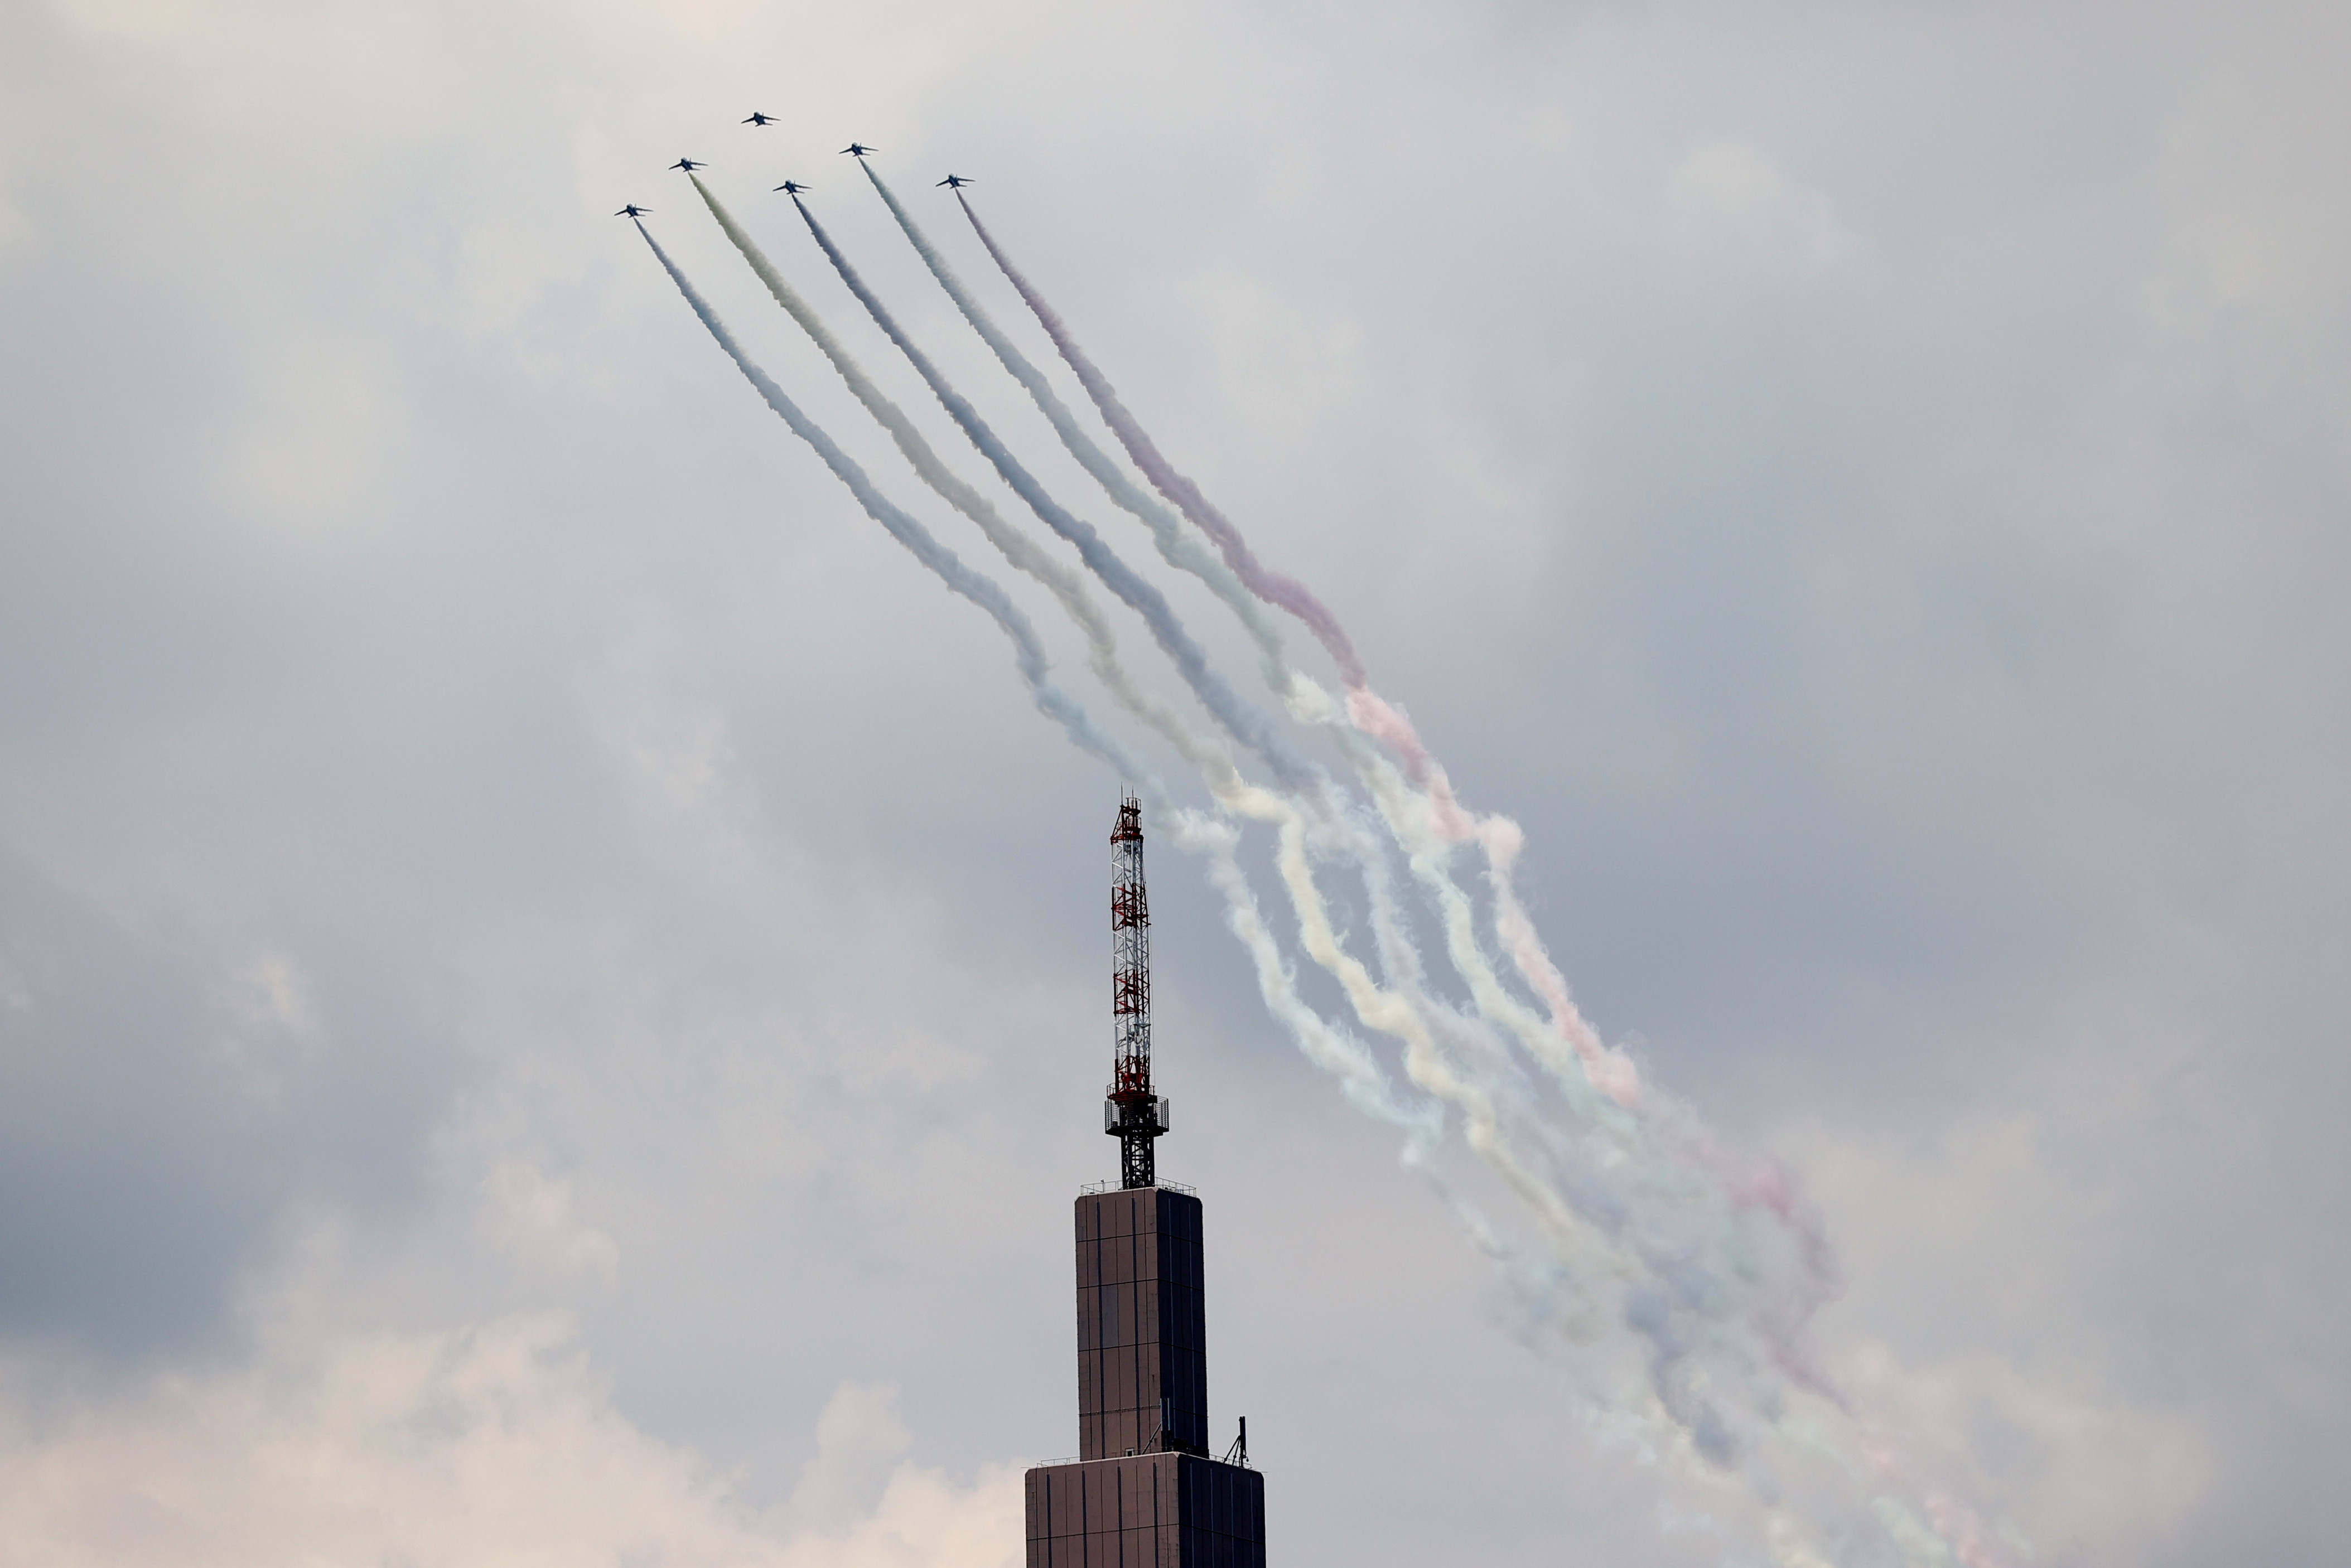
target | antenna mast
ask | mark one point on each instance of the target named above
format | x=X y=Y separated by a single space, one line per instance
x=1131 y=1113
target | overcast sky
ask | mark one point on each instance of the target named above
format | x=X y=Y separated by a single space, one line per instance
x=552 y=982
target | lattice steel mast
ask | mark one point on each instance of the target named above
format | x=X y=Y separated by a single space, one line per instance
x=1131 y=1113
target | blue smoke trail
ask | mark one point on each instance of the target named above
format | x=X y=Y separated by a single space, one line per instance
x=1029 y=654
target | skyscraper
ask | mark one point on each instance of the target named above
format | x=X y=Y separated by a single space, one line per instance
x=1144 y=1491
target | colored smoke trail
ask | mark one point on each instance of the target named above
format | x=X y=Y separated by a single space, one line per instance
x=1398 y=1009
x=1394 y=1009
x=1243 y=723
x=1608 y=1069
x=1016 y=547
x=1177 y=548
x=1656 y=1247
x=1029 y=654
x=1223 y=780
x=1361 y=1080
x=1404 y=1016
x=1689 y=1203
x=1400 y=1014
x=1325 y=1045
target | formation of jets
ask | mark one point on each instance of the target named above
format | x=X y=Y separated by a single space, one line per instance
x=789 y=187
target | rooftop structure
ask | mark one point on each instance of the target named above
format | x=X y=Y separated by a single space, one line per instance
x=1144 y=1491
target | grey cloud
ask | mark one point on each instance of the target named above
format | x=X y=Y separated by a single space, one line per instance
x=1861 y=489
x=164 y=1107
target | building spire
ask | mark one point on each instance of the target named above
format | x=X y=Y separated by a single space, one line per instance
x=1131 y=1113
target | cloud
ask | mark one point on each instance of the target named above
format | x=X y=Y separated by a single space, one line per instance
x=529 y=1215
x=1732 y=192
x=273 y=1023
x=1866 y=493
x=490 y=1445
x=860 y=1441
x=2079 y=1471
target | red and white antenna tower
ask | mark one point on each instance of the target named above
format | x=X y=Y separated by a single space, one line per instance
x=1131 y=1113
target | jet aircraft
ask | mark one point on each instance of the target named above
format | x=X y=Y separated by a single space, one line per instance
x=856 y=151
x=956 y=181
x=632 y=211
x=791 y=187
x=689 y=165
x=759 y=119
